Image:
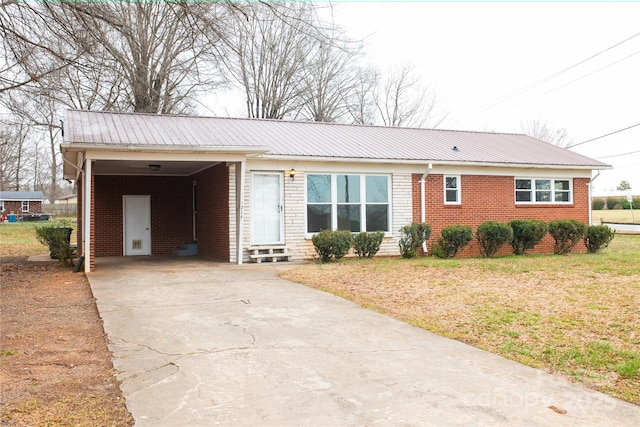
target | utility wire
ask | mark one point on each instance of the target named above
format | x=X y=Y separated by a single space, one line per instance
x=602 y=136
x=545 y=79
x=617 y=155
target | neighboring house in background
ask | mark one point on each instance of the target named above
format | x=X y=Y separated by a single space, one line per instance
x=21 y=202
x=148 y=183
x=67 y=200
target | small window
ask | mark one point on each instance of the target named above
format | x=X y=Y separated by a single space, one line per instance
x=25 y=206
x=1 y=205
x=452 y=189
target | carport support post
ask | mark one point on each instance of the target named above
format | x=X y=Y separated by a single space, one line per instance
x=86 y=216
x=240 y=172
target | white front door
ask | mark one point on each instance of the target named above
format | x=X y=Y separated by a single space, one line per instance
x=266 y=209
x=137 y=225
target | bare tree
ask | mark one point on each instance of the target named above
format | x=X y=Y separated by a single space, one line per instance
x=12 y=153
x=148 y=56
x=268 y=56
x=537 y=128
x=401 y=100
x=330 y=81
x=361 y=102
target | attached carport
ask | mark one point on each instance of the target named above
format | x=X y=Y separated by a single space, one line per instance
x=146 y=190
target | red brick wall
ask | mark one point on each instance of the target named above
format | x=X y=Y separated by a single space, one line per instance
x=212 y=219
x=491 y=198
x=16 y=207
x=170 y=211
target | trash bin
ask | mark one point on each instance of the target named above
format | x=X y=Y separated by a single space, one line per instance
x=12 y=217
x=53 y=245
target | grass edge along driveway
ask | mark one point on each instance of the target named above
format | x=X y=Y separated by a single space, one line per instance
x=578 y=315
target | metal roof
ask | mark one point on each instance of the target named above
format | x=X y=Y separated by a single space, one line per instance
x=111 y=130
x=19 y=196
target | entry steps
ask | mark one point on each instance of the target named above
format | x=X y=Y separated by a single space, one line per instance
x=186 y=249
x=269 y=253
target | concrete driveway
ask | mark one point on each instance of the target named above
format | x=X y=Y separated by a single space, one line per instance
x=204 y=344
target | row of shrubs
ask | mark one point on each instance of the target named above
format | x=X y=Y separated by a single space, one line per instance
x=521 y=234
x=613 y=202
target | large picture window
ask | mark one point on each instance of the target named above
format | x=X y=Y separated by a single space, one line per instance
x=542 y=190
x=347 y=202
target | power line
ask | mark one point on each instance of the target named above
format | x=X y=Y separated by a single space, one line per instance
x=602 y=136
x=545 y=79
x=617 y=155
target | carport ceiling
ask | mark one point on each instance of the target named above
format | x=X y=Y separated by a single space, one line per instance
x=167 y=168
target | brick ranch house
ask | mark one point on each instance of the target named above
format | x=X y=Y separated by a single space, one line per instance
x=21 y=202
x=149 y=183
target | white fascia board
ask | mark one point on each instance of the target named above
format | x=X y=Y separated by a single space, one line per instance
x=166 y=156
x=246 y=150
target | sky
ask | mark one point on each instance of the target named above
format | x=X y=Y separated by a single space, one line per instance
x=497 y=65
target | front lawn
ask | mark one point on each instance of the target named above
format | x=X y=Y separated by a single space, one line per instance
x=577 y=315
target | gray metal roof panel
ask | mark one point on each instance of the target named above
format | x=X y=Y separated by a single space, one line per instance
x=22 y=195
x=313 y=139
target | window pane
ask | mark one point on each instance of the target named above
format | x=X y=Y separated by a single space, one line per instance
x=562 y=185
x=349 y=217
x=318 y=189
x=377 y=217
x=523 y=196
x=562 y=196
x=451 y=182
x=543 y=184
x=377 y=191
x=452 y=195
x=543 y=196
x=318 y=218
x=523 y=184
x=348 y=188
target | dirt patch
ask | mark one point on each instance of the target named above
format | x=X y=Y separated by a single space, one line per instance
x=55 y=367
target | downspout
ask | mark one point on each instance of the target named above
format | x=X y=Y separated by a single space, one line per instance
x=80 y=172
x=423 y=210
x=589 y=197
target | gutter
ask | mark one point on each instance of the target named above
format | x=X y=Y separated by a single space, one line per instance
x=589 y=196
x=423 y=210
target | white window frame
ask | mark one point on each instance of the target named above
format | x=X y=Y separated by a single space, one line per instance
x=532 y=191
x=23 y=205
x=363 y=202
x=1 y=205
x=458 y=200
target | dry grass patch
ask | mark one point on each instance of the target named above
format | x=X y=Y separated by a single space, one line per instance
x=577 y=314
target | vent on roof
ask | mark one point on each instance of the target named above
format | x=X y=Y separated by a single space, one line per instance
x=455 y=148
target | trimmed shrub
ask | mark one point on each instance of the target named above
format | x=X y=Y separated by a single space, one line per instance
x=492 y=235
x=58 y=238
x=453 y=239
x=612 y=202
x=413 y=236
x=566 y=233
x=527 y=233
x=367 y=244
x=332 y=244
x=597 y=204
x=598 y=238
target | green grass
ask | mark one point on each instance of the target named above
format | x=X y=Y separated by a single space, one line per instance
x=19 y=238
x=615 y=215
x=575 y=314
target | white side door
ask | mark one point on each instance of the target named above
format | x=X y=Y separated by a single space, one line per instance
x=137 y=225
x=266 y=209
